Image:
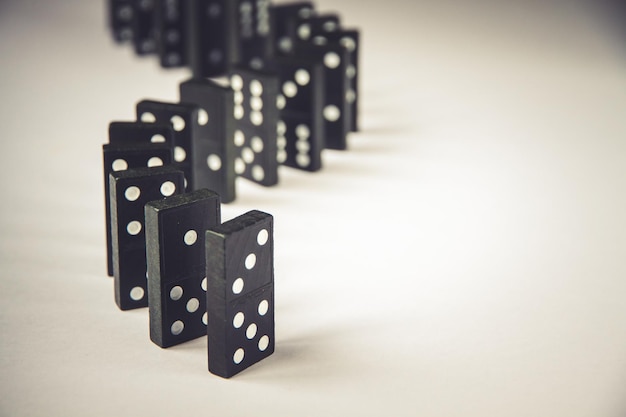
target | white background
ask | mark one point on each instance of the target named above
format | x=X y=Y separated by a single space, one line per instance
x=466 y=257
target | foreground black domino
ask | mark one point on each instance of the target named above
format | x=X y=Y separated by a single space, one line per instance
x=186 y=120
x=213 y=149
x=256 y=115
x=175 y=233
x=240 y=293
x=122 y=155
x=130 y=190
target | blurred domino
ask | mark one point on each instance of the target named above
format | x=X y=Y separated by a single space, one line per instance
x=170 y=18
x=130 y=190
x=256 y=115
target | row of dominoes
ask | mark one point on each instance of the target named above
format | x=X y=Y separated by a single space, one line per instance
x=198 y=277
x=290 y=91
x=292 y=88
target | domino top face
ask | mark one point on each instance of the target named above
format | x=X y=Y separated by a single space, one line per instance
x=171 y=24
x=175 y=234
x=185 y=120
x=212 y=46
x=213 y=149
x=256 y=113
x=130 y=190
x=240 y=294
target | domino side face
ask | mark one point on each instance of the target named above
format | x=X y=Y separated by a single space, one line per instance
x=175 y=234
x=130 y=190
x=240 y=294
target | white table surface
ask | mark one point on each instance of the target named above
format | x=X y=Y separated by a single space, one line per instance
x=466 y=257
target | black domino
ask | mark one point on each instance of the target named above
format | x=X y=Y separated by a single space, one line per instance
x=336 y=108
x=324 y=31
x=139 y=132
x=286 y=19
x=313 y=28
x=186 y=120
x=175 y=235
x=171 y=32
x=255 y=37
x=144 y=30
x=130 y=190
x=120 y=13
x=301 y=101
x=212 y=41
x=256 y=115
x=240 y=294
x=213 y=150
x=128 y=155
x=350 y=39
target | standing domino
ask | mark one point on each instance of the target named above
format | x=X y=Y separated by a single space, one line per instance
x=120 y=157
x=130 y=190
x=256 y=115
x=240 y=294
x=186 y=121
x=175 y=231
x=213 y=148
